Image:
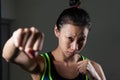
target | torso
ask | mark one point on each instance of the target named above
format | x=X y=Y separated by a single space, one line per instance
x=61 y=71
x=65 y=71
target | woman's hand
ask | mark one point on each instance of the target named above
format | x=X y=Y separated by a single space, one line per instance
x=28 y=40
x=22 y=47
x=92 y=69
x=82 y=66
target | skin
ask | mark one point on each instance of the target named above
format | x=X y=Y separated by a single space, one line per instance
x=25 y=43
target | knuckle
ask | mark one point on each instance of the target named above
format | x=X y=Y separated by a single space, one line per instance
x=26 y=30
x=19 y=29
x=40 y=35
x=33 y=29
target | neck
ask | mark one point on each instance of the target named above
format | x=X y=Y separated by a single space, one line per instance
x=59 y=56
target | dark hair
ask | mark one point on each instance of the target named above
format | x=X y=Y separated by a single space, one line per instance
x=74 y=15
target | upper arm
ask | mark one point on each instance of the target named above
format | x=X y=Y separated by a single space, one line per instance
x=99 y=70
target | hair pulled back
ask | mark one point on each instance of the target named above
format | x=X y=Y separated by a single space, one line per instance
x=74 y=15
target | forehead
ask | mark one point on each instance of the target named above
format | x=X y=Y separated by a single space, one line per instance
x=73 y=30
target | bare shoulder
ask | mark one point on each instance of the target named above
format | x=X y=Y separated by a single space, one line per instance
x=98 y=69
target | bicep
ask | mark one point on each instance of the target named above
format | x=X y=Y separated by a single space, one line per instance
x=99 y=70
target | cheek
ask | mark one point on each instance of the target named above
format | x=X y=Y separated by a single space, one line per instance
x=64 y=43
x=81 y=45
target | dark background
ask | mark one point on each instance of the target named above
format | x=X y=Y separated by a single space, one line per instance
x=103 y=44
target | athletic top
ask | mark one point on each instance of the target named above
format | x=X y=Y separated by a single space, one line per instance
x=50 y=72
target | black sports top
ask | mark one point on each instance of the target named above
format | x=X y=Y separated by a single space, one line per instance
x=50 y=72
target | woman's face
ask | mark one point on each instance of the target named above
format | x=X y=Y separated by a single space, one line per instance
x=71 y=39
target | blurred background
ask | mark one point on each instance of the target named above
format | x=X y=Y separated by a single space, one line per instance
x=103 y=44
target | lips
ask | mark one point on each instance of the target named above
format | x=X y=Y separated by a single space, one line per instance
x=70 y=53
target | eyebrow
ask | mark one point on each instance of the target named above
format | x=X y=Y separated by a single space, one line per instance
x=80 y=36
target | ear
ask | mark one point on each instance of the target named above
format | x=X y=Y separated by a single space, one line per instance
x=56 y=31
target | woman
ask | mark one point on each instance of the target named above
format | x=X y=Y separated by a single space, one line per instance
x=64 y=62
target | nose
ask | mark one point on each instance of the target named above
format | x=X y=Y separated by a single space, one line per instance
x=74 y=46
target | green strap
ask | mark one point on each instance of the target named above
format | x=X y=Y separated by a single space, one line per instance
x=86 y=75
x=47 y=64
x=43 y=75
x=49 y=68
x=83 y=57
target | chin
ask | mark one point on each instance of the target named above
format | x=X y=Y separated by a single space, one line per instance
x=70 y=54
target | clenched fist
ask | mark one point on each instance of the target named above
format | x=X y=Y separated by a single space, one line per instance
x=29 y=40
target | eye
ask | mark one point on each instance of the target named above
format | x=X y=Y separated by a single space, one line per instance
x=71 y=39
x=81 y=40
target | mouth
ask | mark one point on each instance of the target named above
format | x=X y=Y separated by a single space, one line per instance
x=70 y=53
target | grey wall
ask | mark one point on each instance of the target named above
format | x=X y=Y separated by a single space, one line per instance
x=7 y=9
x=104 y=39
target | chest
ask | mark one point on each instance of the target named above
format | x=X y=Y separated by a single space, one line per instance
x=55 y=70
x=66 y=71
